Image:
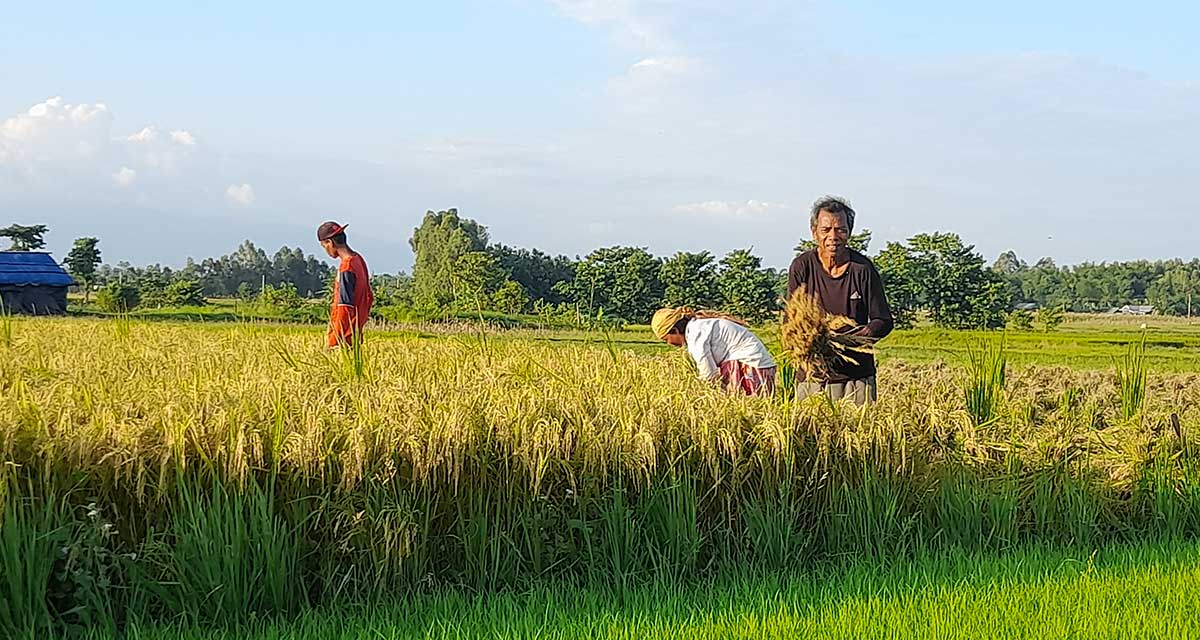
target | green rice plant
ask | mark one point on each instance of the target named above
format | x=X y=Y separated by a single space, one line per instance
x=1132 y=374
x=6 y=327
x=33 y=534
x=231 y=555
x=673 y=527
x=355 y=356
x=778 y=537
x=987 y=365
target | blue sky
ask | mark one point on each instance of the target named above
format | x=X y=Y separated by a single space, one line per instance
x=176 y=129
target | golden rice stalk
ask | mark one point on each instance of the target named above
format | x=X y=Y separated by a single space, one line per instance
x=816 y=341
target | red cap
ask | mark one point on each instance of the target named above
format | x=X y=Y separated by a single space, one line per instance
x=330 y=229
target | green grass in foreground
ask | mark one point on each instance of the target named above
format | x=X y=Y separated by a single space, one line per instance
x=1120 y=592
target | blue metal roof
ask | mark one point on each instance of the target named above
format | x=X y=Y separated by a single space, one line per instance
x=27 y=268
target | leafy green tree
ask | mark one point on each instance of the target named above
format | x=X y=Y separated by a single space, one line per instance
x=620 y=281
x=747 y=290
x=1177 y=291
x=392 y=290
x=510 y=298
x=118 y=297
x=25 y=238
x=961 y=293
x=904 y=282
x=690 y=279
x=938 y=273
x=537 y=272
x=474 y=280
x=82 y=262
x=438 y=244
x=860 y=242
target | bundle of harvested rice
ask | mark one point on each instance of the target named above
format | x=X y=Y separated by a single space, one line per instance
x=815 y=341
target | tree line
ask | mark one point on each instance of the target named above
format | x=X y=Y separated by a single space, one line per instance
x=459 y=270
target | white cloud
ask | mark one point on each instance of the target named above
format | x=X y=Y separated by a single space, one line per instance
x=183 y=138
x=54 y=134
x=726 y=209
x=146 y=135
x=56 y=152
x=664 y=67
x=125 y=177
x=241 y=195
x=633 y=28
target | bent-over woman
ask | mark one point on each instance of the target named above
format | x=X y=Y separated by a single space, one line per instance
x=725 y=351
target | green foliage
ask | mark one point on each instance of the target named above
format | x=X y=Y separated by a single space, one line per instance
x=510 y=298
x=987 y=365
x=747 y=290
x=1132 y=375
x=392 y=290
x=232 y=556
x=621 y=281
x=938 y=273
x=1020 y=320
x=1169 y=285
x=690 y=279
x=32 y=536
x=1049 y=318
x=241 y=274
x=283 y=297
x=475 y=278
x=116 y=297
x=859 y=242
x=25 y=238
x=438 y=245
x=1117 y=592
x=903 y=282
x=82 y=263
x=1177 y=291
x=6 y=326
x=535 y=271
x=180 y=293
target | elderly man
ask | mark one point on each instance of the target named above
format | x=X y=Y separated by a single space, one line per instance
x=847 y=284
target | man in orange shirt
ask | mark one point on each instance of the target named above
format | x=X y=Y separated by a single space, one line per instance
x=352 y=295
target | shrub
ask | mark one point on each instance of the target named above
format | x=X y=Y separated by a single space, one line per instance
x=181 y=293
x=118 y=298
x=1049 y=318
x=283 y=297
x=1020 y=320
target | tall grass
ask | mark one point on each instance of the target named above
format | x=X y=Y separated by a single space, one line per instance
x=987 y=365
x=6 y=327
x=1132 y=373
x=240 y=483
x=1121 y=592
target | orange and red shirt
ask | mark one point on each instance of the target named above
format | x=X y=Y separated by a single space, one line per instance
x=352 y=300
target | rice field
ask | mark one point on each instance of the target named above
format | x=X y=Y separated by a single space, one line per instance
x=1117 y=593
x=209 y=475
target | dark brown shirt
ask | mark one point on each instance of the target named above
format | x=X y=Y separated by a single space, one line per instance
x=857 y=294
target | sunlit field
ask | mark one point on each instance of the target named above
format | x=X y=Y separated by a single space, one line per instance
x=162 y=473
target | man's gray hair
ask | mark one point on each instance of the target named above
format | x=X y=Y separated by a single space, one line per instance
x=834 y=205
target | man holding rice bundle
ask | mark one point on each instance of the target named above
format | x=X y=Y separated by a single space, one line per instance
x=846 y=288
x=725 y=351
